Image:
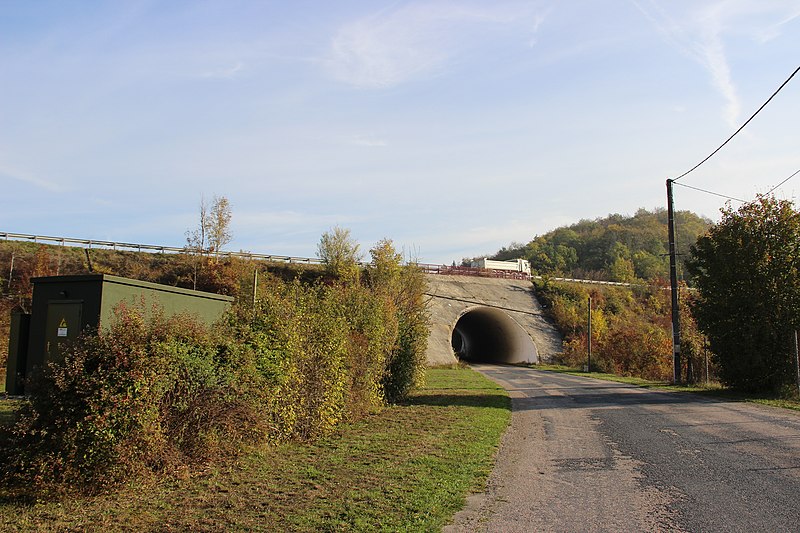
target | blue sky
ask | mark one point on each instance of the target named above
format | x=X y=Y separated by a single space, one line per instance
x=452 y=128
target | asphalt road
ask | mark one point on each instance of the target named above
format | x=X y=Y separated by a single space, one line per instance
x=589 y=455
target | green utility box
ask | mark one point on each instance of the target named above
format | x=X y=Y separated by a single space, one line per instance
x=65 y=306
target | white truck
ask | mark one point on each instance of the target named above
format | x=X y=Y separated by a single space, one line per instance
x=516 y=265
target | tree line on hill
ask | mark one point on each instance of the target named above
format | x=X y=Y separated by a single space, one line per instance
x=615 y=248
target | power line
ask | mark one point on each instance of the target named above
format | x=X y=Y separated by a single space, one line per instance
x=795 y=173
x=784 y=181
x=741 y=127
x=711 y=192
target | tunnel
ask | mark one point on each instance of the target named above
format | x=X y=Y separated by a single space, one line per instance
x=488 y=335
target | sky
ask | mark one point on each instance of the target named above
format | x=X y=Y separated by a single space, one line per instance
x=451 y=127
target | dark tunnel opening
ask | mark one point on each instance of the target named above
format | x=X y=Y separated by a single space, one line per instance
x=489 y=335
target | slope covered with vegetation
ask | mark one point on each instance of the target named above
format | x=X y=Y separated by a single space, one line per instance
x=631 y=326
x=631 y=332
x=614 y=248
x=303 y=353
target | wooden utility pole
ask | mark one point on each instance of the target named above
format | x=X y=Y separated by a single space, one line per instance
x=673 y=282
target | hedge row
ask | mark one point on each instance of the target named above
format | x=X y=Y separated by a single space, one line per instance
x=159 y=393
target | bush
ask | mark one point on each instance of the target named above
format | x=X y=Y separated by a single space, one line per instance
x=147 y=395
x=749 y=293
x=631 y=328
x=152 y=393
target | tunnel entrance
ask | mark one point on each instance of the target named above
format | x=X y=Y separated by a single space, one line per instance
x=489 y=335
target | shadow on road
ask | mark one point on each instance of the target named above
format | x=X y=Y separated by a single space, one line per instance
x=462 y=400
x=594 y=400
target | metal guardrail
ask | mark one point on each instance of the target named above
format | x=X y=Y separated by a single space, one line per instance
x=114 y=245
x=426 y=267
x=511 y=274
x=472 y=271
x=508 y=274
x=592 y=281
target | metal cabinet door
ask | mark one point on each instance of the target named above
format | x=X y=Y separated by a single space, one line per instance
x=63 y=324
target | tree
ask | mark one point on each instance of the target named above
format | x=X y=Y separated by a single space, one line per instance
x=211 y=233
x=405 y=288
x=746 y=272
x=340 y=254
x=197 y=238
x=219 y=222
x=384 y=270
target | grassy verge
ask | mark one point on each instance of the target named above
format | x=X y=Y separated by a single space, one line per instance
x=407 y=468
x=712 y=389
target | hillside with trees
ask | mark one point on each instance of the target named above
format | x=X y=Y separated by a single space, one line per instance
x=614 y=248
x=631 y=327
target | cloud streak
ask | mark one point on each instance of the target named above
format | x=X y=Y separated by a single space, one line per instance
x=25 y=177
x=287 y=220
x=700 y=34
x=396 y=46
x=225 y=73
x=368 y=142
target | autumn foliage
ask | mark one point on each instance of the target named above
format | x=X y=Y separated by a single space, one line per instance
x=631 y=328
x=300 y=354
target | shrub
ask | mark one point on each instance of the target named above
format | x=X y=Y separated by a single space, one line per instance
x=746 y=271
x=404 y=288
x=144 y=395
x=631 y=328
x=153 y=393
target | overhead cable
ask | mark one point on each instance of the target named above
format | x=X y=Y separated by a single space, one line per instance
x=711 y=192
x=741 y=127
x=784 y=181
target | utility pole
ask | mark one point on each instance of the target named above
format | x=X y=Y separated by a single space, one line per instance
x=673 y=282
x=589 y=339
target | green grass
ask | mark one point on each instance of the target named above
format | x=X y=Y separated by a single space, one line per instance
x=712 y=389
x=407 y=468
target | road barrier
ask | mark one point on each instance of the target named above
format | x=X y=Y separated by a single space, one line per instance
x=426 y=267
x=89 y=243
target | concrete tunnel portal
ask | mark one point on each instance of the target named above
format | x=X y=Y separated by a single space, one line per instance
x=489 y=335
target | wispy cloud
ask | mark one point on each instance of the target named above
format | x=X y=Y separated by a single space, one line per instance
x=398 y=45
x=290 y=220
x=538 y=20
x=225 y=73
x=700 y=34
x=771 y=32
x=31 y=179
x=711 y=52
x=368 y=142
